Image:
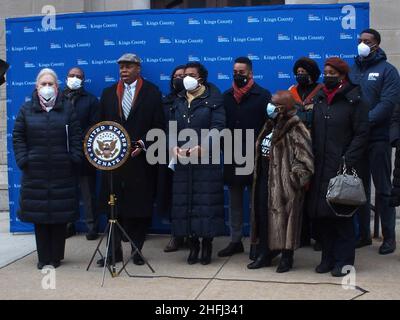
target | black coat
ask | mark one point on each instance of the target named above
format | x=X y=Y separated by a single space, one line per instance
x=164 y=177
x=198 y=189
x=395 y=141
x=49 y=185
x=340 y=129
x=248 y=114
x=86 y=106
x=135 y=180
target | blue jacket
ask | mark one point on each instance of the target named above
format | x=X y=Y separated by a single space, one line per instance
x=380 y=85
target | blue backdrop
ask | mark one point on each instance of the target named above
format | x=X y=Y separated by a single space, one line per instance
x=273 y=37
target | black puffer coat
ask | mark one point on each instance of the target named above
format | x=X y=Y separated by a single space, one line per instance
x=48 y=158
x=198 y=189
x=340 y=129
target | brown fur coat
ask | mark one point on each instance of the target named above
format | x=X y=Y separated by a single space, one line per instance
x=291 y=167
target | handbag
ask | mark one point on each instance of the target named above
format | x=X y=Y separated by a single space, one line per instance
x=345 y=189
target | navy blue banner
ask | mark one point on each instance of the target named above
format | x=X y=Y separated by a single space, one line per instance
x=273 y=37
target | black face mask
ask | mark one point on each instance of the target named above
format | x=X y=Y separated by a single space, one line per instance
x=177 y=83
x=331 y=82
x=240 y=80
x=303 y=79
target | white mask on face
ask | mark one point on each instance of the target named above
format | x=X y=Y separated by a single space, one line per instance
x=47 y=93
x=190 y=83
x=74 y=83
x=363 y=50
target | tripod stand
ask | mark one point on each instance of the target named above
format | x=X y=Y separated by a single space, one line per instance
x=110 y=232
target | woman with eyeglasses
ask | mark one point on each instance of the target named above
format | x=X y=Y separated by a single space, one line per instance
x=283 y=168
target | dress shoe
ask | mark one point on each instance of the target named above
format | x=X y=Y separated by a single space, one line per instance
x=118 y=258
x=388 y=246
x=323 y=268
x=363 y=242
x=206 y=251
x=194 y=246
x=231 y=249
x=91 y=235
x=55 y=264
x=286 y=262
x=262 y=260
x=174 y=244
x=337 y=272
x=138 y=260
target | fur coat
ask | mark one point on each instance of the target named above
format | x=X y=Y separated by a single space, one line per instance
x=291 y=167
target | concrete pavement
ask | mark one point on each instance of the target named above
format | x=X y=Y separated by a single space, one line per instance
x=376 y=277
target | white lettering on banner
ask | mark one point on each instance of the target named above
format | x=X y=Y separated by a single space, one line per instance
x=165 y=40
x=29 y=65
x=136 y=23
x=160 y=23
x=253 y=57
x=282 y=37
x=25 y=48
x=51 y=64
x=309 y=37
x=55 y=29
x=81 y=62
x=108 y=43
x=278 y=19
x=22 y=83
x=77 y=45
x=103 y=26
x=193 y=21
x=28 y=30
x=219 y=21
x=219 y=59
x=348 y=56
x=222 y=76
x=313 y=55
x=251 y=19
x=258 y=77
x=186 y=41
x=55 y=46
x=332 y=19
x=164 y=77
x=80 y=26
x=248 y=39
x=161 y=59
x=131 y=42
x=349 y=20
x=192 y=58
x=312 y=17
x=223 y=39
x=282 y=75
x=346 y=36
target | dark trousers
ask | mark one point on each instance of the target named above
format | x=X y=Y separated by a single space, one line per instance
x=337 y=240
x=380 y=167
x=136 y=228
x=50 y=242
x=87 y=186
x=261 y=212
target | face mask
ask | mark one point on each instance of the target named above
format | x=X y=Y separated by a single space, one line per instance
x=74 y=83
x=331 y=82
x=272 y=110
x=303 y=79
x=190 y=83
x=240 y=80
x=363 y=50
x=47 y=93
x=177 y=83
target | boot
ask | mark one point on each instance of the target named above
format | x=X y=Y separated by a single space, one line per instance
x=263 y=260
x=231 y=249
x=206 y=251
x=174 y=244
x=194 y=246
x=286 y=262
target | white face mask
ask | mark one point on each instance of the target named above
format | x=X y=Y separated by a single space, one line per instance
x=74 y=83
x=190 y=83
x=272 y=110
x=363 y=50
x=47 y=93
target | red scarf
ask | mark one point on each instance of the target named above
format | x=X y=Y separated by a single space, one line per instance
x=238 y=93
x=120 y=93
x=330 y=94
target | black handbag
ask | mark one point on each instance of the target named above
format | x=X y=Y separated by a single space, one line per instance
x=346 y=190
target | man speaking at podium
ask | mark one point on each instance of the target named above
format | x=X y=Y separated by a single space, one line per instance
x=136 y=104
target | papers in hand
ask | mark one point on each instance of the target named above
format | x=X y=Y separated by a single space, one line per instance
x=172 y=164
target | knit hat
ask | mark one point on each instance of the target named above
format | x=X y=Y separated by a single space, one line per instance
x=338 y=64
x=310 y=66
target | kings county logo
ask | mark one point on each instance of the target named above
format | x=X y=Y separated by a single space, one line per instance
x=107 y=145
